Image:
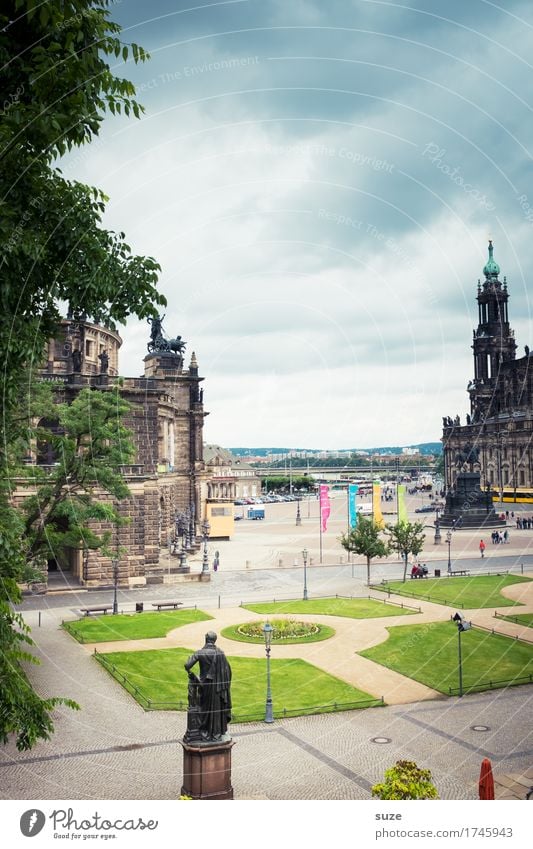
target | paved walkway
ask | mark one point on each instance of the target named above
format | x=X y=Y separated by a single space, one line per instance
x=114 y=749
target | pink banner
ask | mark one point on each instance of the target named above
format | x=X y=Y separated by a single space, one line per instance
x=325 y=506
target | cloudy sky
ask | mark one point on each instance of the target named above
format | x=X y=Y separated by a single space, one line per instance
x=319 y=179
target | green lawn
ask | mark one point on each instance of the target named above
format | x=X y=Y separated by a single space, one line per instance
x=469 y=592
x=353 y=608
x=429 y=654
x=137 y=626
x=324 y=633
x=297 y=686
x=520 y=619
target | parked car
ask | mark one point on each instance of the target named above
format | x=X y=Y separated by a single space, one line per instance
x=426 y=508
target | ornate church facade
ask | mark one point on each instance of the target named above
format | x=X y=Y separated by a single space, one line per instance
x=167 y=480
x=496 y=439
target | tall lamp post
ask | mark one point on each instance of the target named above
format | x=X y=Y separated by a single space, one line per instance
x=462 y=625
x=298 y=514
x=115 y=583
x=304 y=555
x=206 y=527
x=267 y=632
x=437 y=528
x=449 y=544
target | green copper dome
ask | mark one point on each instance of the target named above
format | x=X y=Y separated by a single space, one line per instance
x=491 y=269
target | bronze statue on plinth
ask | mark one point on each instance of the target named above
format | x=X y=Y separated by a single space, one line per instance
x=206 y=745
x=209 y=695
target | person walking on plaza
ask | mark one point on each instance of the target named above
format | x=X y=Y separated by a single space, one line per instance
x=482 y=548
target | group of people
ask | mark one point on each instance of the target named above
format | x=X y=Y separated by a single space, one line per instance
x=419 y=571
x=524 y=523
x=500 y=537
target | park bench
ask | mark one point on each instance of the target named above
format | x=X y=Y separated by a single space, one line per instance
x=103 y=609
x=161 y=604
x=460 y=572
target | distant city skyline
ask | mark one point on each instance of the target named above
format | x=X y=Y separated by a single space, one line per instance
x=319 y=183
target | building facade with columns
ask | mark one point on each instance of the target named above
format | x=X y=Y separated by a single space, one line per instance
x=496 y=439
x=168 y=476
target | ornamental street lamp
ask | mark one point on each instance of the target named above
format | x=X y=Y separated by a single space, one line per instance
x=206 y=527
x=462 y=625
x=267 y=632
x=304 y=555
x=115 y=583
x=449 y=544
x=298 y=515
x=437 y=528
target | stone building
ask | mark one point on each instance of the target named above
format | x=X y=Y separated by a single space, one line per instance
x=496 y=438
x=168 y=476
x=229 y=477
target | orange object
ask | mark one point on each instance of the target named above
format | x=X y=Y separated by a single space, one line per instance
x=486 y=780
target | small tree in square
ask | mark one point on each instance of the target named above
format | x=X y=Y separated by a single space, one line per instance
x=406 y=538
x=365 y=539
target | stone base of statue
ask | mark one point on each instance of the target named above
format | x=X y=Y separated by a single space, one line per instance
x=467 y=506
x=207 y=770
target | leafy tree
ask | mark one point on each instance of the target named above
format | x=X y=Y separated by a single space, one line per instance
x=283 y=482
x=57 y=88
x=406 y=538
x=365 y=539
x=405 y=780
x=91 y=443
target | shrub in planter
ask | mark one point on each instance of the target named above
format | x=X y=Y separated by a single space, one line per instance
x=405 y=780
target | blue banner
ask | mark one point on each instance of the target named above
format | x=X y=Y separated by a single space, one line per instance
x=352 y=512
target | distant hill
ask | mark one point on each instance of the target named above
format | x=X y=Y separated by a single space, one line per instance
x=422 y=447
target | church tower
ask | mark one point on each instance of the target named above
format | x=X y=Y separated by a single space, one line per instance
x=493 y=345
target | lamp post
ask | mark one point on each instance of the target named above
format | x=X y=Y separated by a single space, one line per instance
x=304 y=555
x=267 y=632
x=115 y=583
x=449 y=544
x=206 y=527
x=437 y=528
x=462 y=625
x=298 y=515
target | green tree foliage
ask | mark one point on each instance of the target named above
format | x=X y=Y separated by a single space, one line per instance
x=57 y=87
x=406 y=538
x=405 y=780
x=22 y=711
x=277 y=483
x=365 y=539
x=90 y=443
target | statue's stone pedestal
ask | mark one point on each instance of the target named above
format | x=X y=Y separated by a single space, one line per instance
x=207 y=770
x=467 y=506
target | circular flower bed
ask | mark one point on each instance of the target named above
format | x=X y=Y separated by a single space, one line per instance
x=285 y=631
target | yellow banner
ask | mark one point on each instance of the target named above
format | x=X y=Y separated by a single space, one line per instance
x=402 y=509
x=376 y=505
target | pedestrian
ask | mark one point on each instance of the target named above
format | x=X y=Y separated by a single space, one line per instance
x=506 y=536
x=482 y=548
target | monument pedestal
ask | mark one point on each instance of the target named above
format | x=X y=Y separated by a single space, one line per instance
x=467 y=506
x=207 y=770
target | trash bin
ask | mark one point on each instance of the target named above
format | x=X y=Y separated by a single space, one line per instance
x=437 y=573
x=139 y=607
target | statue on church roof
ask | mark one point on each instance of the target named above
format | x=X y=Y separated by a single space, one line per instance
x=159 y=344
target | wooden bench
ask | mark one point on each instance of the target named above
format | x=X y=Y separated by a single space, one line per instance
x=103 y=609
x=161 y=604
x=460 y=572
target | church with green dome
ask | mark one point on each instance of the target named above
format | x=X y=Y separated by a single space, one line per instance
x=496 y=438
